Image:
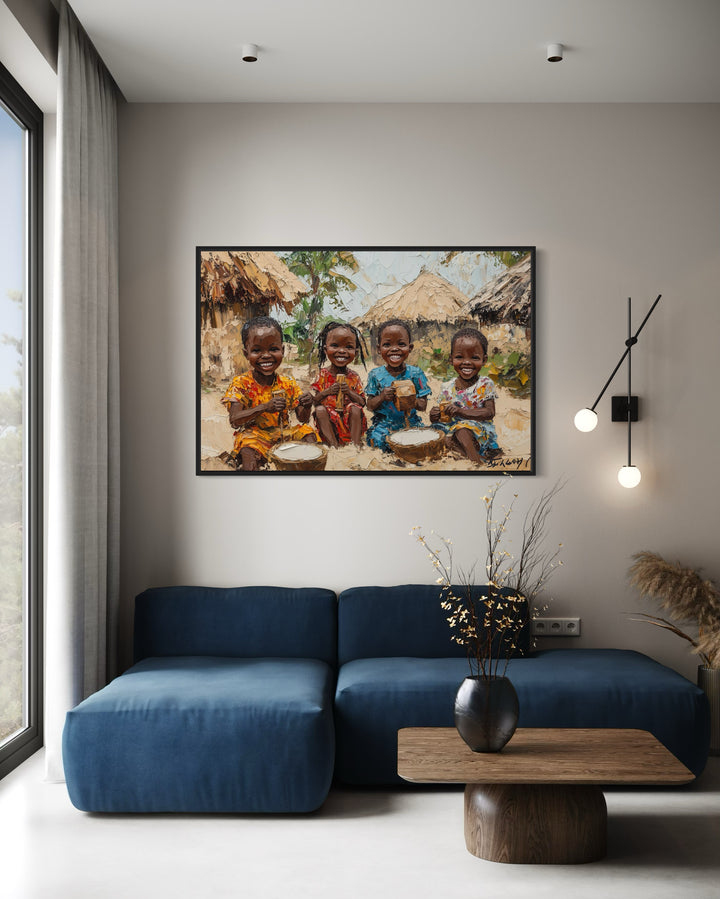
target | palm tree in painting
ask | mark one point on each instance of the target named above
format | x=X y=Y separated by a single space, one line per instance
x=324 y=272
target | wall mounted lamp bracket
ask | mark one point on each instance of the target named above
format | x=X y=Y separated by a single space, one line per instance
x=619 y=408
x=624 y=408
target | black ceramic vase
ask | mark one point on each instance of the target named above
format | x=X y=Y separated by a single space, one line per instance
x=486 y=712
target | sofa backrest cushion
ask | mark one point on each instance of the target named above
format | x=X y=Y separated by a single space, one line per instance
x=237 y=622
x=406 y=620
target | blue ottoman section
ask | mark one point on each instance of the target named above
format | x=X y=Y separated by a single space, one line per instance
x=399 y=668
x=204 y=734
x=229 y=709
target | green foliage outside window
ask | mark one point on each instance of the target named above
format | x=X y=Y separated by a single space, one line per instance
x=11 y=553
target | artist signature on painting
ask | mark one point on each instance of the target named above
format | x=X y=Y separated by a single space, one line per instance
x=516 y=463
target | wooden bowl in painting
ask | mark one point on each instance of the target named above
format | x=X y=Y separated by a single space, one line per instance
x=417 y=444
x=299 y=456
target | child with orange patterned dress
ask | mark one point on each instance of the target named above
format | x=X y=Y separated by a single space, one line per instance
x=339 y=399
x=258 y=401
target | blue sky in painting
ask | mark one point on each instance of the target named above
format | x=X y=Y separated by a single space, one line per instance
x=382 y=272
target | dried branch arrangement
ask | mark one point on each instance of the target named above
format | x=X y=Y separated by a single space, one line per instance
x=687 y=598
x=489 y=628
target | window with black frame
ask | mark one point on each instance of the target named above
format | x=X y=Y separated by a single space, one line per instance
x=20 y=424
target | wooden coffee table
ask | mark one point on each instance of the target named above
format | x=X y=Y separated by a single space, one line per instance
x=539 y=801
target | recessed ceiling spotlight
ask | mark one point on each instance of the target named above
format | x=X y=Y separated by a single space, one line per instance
x=249 y=52
x=554 y=52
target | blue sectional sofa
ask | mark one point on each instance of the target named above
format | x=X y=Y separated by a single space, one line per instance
x=251 y=699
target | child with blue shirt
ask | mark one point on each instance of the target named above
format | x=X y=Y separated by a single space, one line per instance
x=395 y=345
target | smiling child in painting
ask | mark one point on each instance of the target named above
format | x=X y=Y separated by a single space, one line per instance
x=468 y=401
x=340 y=399
x=395 y=345
x=259 y=401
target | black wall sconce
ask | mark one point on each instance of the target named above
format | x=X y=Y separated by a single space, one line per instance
x=624 y=408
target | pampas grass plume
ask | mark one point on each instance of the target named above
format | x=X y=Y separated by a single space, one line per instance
x=687 y=598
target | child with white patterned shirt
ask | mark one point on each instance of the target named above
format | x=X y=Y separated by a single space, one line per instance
x=468 y=401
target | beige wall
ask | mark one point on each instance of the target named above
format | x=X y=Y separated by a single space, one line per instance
x=620 y=200
x=28 y=48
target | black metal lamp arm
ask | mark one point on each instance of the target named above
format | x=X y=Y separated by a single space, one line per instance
x=629 y=343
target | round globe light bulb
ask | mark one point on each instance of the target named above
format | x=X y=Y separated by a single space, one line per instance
x=586 y=420
x=629 y=476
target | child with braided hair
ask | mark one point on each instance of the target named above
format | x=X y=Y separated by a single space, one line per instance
x=339 y=399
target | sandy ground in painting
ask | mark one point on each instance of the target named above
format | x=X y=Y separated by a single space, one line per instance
x=512 y=422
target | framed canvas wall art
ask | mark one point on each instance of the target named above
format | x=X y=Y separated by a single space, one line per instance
x=368 y=360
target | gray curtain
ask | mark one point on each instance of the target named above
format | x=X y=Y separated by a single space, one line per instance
x=83 y=463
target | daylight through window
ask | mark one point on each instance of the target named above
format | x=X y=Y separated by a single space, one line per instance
x=20 y=124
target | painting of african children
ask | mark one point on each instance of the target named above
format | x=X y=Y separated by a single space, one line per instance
x=365 y=361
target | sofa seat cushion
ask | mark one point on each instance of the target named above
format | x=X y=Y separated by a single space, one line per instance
x=614 y=688
x=204 y=734
x=376 y=697
x=556 y=688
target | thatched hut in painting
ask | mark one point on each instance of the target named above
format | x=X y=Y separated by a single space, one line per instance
x=503 y=309
x=506 y=299
x=430 y=304
x=235 y=286
x=242 y=284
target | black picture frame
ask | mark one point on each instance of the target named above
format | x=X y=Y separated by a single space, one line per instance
x=436 y=290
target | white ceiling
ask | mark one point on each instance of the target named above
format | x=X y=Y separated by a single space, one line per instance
x=444 y=51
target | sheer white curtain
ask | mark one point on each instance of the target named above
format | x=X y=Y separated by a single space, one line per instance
x=83 y=467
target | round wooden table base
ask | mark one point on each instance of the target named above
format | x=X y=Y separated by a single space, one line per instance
x=542 y=824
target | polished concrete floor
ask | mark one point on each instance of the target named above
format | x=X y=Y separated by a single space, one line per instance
x=663 y=844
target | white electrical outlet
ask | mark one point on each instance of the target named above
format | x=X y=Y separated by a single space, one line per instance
x=555 y=627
